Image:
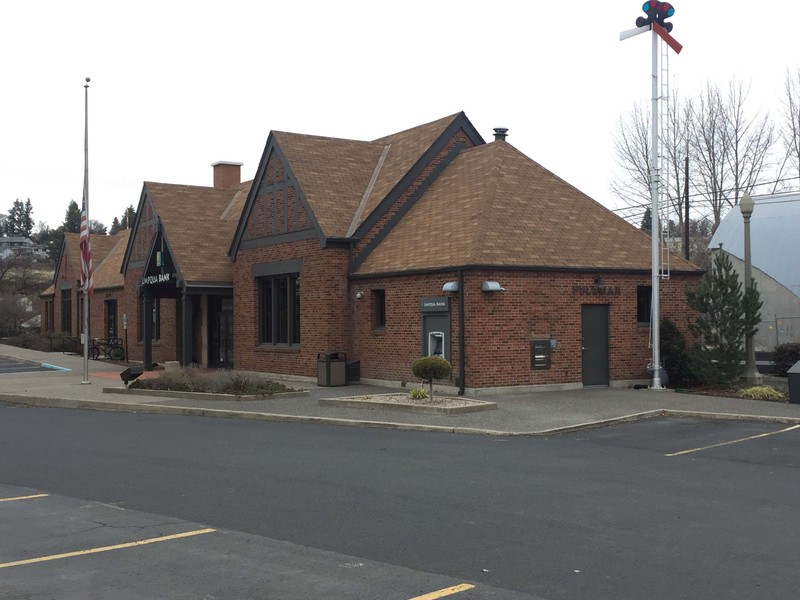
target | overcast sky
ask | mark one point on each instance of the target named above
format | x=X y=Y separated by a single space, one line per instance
x=178 y=85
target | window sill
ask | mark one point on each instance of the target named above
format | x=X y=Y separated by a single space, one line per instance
x=278 y=349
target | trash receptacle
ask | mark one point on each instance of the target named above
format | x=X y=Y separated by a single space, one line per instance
x=353 y=371
x=793 y=377
x=331 y=368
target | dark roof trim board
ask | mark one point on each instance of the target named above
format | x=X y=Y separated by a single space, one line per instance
x=511 y=268
x=270 y=148
x=180 y=282
x=284 y=238
x=134 y=230
x=459 y=122
x=416 y=195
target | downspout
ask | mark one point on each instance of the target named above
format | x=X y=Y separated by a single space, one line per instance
x=461 y=342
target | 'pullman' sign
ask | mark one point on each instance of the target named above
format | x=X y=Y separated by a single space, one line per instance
x=596 y=290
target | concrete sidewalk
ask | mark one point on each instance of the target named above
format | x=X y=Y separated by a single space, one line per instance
x=529 y=413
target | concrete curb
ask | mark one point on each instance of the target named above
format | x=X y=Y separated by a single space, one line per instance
x=202 y=395
x=43 y=402
x=477 y=406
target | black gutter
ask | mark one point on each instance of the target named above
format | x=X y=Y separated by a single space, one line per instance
x=462 y=344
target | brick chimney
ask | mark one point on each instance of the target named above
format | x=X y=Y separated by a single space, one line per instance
x=227 y=174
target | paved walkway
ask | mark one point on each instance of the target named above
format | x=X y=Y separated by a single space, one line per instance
x=528 y=413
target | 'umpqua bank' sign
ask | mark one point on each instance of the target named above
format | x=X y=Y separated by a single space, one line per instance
x=156 y=279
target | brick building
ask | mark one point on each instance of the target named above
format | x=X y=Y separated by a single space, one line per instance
x=432 y=241
x=427 y=241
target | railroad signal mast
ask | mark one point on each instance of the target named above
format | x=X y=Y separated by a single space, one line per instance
x=657 y=13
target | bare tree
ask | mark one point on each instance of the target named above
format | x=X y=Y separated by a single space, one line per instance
x=749 y=142
x=730 y=149
x=632 y=152
x=790 y=131
x=709 y=152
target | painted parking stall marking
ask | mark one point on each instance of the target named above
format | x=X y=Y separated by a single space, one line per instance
x=154 y=540
x=17 y=498
x=443 y=593
x=728 y=443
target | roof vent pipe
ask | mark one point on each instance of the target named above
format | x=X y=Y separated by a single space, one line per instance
x=500 y=134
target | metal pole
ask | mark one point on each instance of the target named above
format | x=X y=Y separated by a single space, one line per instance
x=86 y=201
x=751 y=374
x=656 y=226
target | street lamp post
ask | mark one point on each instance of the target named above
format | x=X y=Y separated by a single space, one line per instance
x=751 y=374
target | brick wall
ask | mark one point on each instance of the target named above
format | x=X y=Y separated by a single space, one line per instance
x=500 y=325
x=323 y=308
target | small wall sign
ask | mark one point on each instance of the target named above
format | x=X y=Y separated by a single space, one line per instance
x=435 y=304
x=596 y=290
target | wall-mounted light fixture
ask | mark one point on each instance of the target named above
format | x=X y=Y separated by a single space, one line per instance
x=492 y=286
x=359 y=295
x=450 y=286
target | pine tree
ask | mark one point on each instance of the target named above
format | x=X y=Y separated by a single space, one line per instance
x=127 y=218
x=115 y=227
x=20 y=219
x=647 y=221
x=72 y=218
x=726 y=314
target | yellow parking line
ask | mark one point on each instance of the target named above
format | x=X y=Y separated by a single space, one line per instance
x=164 y=538
x=445 y=592
x=24 y=497
x=752 y=437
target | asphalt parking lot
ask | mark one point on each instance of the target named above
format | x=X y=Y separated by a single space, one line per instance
x=768 y=444
x=10 y=365
x=54 y=546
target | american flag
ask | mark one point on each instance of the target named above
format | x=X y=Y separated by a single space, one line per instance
x=86 y=252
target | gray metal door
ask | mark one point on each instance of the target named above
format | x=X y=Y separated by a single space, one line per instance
x=594 y=332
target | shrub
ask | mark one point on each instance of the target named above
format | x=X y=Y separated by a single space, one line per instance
x=675 y=356
x=418 y=394
x=194 y=379
x=761 y=392
x=784 y=357
x=429 y=368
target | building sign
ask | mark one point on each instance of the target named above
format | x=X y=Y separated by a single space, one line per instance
x=436 y=304
x=596 y=290
x=156 y=279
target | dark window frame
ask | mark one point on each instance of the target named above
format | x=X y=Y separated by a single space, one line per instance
x=644 y=304
x=379 y=309
x=278 y=318
x=66 y=311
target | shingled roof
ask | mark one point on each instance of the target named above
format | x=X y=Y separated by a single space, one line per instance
x=333 y=174
x=494 y=206
x=345 y=180
x=198 y=225
x=107 y=272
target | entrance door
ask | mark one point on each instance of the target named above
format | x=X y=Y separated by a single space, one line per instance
x=220 y=352
x=594 y=332
x=111 y=318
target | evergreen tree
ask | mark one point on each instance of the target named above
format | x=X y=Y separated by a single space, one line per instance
x=115 y=227
x=72 y=218
x=647 y=221
x=725 y=315
x=127 y=218
x=97 y=227
x=20 y=219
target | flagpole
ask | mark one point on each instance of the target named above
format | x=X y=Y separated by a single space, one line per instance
x=86 y=208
